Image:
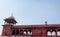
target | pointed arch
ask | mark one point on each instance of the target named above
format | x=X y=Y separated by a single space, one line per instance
x=58 y=32
x=53 y=32
x=48 y=32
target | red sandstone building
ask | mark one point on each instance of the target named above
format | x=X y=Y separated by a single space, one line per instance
x=43 y=30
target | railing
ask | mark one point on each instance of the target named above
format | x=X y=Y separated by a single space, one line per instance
x=29 y=36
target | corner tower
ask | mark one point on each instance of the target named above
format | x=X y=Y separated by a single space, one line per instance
x=8 y=24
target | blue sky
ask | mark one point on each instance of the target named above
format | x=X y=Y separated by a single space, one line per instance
x=30 y=11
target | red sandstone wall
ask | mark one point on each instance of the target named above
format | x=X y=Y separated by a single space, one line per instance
x=36 y=32
x=3 y=36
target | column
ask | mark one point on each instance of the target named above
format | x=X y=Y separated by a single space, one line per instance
x=56 y=32
x=51 y=32
x=19 y=31
x=15 y=31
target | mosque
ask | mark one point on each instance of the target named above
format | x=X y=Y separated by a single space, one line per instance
x=42 y=30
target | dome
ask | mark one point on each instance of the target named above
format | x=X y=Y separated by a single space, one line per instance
x=10 y=19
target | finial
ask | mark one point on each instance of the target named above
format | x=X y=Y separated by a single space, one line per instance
x=12 y=14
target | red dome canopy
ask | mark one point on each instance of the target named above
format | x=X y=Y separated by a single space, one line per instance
x=10 y=19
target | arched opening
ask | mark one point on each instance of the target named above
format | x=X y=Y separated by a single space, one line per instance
x=21 y=32
x=13 y=32
x=17 y=32
x=53 y=32
x=29 y=32
x=48 y=33
x=25 y=32
x=58 y=32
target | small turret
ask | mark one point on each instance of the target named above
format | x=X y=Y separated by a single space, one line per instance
x=8 y=25
x=45 y=22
